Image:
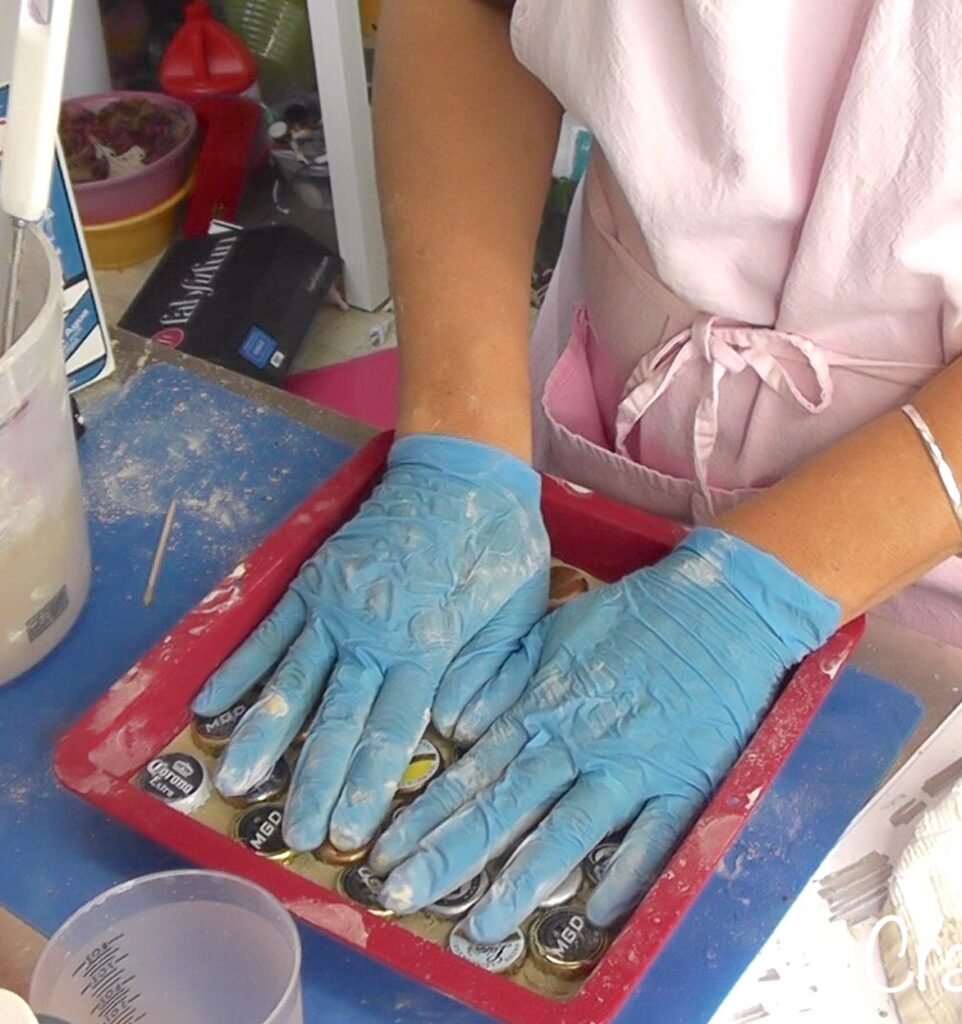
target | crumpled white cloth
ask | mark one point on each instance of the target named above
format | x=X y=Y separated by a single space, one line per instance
x=925 y=893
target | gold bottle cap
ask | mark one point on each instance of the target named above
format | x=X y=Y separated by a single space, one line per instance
x=360 y=885
x=565 y=582
x=330 y=854
x=213 y=733
x=504 y=957
x=270 y=791
x=261 y=829
x=425 y=765
x=565 y=943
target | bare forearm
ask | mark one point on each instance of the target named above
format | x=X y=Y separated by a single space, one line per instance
x=868 y=515
x=465 y=139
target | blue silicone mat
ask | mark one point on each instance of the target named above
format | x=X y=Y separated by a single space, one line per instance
x=236 y=470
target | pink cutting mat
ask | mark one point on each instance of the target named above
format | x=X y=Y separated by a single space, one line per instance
x=365 y=388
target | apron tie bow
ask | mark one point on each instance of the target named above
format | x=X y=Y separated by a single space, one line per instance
x=722 y=349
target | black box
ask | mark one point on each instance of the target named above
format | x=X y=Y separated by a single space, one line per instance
x=243 y=298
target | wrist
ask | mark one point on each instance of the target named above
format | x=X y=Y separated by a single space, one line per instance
x=476 y=462
x=512 y=440
x=798 y=617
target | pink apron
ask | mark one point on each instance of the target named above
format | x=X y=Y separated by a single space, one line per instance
x=685 y=406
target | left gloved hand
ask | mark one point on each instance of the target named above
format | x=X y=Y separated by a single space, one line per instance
x=646 y=693
x=407 y=611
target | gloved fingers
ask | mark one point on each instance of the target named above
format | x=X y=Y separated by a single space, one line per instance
x=642 y=854
x=500 y=693
x=255 y=657
x=575 y=825
x=459 y=848
x=482 y=765
x=269 y=727
x=327 y=751
x=483 y=656
x=396 y=723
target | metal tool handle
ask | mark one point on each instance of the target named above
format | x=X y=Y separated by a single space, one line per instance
x=32 y=114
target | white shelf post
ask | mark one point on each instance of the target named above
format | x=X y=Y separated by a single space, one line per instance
x=342 y=85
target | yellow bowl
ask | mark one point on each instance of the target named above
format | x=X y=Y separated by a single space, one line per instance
x=122 y=243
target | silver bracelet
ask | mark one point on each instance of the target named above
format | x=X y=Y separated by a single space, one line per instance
x=942 y=467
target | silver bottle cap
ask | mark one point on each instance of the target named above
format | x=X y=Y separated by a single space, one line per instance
x=567 y=889
x=497 y=957
x=180 y=780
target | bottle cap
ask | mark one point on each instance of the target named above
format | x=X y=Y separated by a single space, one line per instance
x=462 y=899
x=502 y=957
x=330 y=854
x=261 y=829
x=424 y=766
x=596 y=863
x=180 y=780
x=211 y=734
x=270 y=791
x=564 y=942
x=566 y=890
x=361 y=885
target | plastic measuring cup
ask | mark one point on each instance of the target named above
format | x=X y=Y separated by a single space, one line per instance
x=195 y=947
x=44 y=548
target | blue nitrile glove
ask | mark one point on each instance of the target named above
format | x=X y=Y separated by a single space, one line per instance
x=645 y=694
x=416 y=601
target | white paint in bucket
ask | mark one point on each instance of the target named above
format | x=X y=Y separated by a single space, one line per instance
x=44 y=546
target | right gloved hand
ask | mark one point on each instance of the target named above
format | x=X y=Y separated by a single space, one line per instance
x=647 y=690
x=415 y=603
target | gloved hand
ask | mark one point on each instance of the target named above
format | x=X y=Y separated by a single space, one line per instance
x=646 y=692
x=418 y=599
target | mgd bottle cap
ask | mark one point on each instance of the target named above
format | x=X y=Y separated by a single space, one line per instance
x=213 y=733
x=261 y=829
x=564 y=942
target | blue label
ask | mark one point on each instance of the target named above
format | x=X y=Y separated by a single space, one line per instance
x=85 y=336
x=258 y=347
x=79 y=322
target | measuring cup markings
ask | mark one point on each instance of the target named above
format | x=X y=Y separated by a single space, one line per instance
x=105 y=983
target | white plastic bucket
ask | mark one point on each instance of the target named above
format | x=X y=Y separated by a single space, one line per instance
x=44 y=546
